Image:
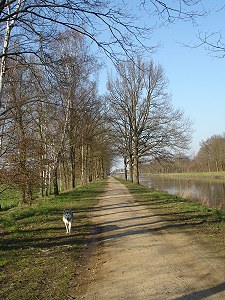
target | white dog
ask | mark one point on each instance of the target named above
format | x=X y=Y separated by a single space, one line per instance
x=67 y=219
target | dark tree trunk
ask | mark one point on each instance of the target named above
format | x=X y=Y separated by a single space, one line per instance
x=55 y=181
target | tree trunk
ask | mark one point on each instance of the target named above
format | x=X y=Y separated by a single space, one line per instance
x=9 y=25
x=73 y=174
x=136 y=162
x=217 y=166
x=131 y=168
x=55 y=181
x=125 y=167
x=83 y=165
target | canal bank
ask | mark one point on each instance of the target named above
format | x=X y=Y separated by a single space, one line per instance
x=206 y=188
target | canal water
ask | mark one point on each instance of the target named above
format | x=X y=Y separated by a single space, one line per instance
x=206 y=191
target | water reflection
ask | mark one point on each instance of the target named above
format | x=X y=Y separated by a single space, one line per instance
x=206 y=191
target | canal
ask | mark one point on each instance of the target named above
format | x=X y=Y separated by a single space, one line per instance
x=207 y=191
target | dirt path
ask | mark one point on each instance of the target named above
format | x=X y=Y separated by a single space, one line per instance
x=139 y=259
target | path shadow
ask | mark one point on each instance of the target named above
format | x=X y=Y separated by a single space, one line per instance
x=143 y=224
x=204 y=293
x=45 y=242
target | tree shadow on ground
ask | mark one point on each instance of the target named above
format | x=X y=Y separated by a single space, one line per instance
x=42 y=242
x=54 y=235
x=51 y=233
x=203 y=294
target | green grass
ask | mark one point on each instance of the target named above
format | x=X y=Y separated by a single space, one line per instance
x=9 y=197
x=196 y=175
x=203 y=223
x=37 y=258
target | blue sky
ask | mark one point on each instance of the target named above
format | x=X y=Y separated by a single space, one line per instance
x=196 y=78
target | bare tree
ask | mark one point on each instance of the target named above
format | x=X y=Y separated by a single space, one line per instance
x=38 y=21
x=21 y=155
x=54 y=119
x=171 y=11
x=139 y=92
x=11 y=15
x=74 y=72
x=211 y=154
x=133 y=92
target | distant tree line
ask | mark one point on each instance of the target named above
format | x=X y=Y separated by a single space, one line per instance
x=210 y=158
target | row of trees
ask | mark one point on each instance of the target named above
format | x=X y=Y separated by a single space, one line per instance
x=54 y=124
x=210 y=158
x=56 y=128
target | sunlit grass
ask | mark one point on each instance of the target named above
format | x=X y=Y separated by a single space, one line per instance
x=9 y=197
x=36 y=256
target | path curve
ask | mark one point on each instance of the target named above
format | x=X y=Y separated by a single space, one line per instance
x=139 y=259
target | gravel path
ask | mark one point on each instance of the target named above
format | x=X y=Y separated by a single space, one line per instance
x=138 y=258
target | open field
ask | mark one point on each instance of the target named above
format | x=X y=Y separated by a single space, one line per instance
x=37 y=258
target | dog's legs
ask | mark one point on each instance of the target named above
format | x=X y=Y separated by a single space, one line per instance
x=69 y=227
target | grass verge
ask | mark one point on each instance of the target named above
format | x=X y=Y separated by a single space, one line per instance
x=9 y=197
x=218 y=176
x=203 y=223
x=37 y=258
